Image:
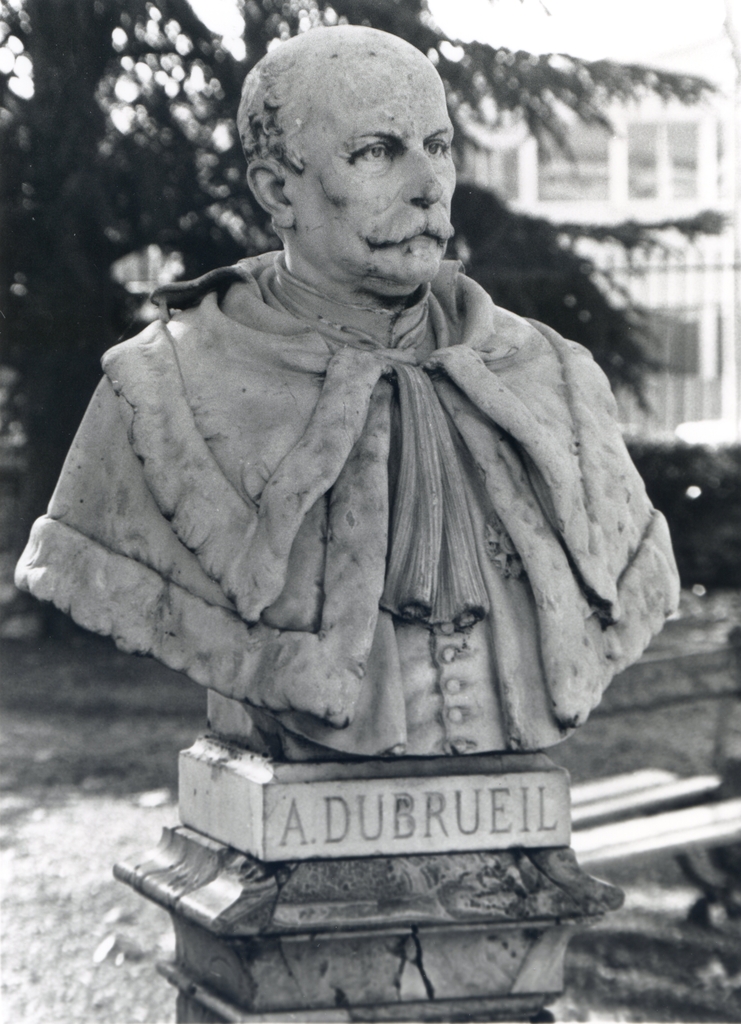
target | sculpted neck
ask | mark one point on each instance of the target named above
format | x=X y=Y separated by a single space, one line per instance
x=397 y=327
x=368 y=294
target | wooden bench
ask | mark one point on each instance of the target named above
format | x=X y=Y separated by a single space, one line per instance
x=653 y=811
x=650 y=812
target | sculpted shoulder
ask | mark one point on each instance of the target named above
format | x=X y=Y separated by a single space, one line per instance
x=184 y=294
x=503 y=339
x=125 y=351
x=181 y=295
x=508 y=342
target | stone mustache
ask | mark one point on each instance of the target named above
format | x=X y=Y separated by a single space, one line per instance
x=339 y=485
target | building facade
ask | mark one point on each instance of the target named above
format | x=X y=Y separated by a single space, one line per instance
x=663 y=161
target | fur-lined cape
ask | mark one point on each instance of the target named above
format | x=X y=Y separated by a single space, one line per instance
x=225 y=507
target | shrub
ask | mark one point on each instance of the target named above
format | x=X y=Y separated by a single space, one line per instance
x=698 y=489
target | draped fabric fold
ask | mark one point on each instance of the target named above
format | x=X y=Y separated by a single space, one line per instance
x=433 y=574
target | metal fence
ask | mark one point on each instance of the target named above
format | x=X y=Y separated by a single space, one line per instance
x=688 y=296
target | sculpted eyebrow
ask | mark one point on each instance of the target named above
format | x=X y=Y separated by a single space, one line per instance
x=447 y=131
x=367 y=138
x=362 y=142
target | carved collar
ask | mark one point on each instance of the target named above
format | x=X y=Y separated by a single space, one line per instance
x=360 y=326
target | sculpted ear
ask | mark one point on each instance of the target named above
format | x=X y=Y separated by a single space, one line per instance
x=266 y=178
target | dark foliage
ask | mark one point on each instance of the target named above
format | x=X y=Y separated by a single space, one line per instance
x=704 y=526
x=631 y=234
x=524 y=266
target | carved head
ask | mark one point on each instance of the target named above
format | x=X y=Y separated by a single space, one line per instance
x=347 y=138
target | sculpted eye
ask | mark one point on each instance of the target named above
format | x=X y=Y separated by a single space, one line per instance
x=438 y=147
x=376 y=152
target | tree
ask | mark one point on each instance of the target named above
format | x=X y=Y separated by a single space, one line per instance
x=128 y=141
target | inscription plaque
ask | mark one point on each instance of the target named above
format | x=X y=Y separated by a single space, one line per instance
x=370 y=808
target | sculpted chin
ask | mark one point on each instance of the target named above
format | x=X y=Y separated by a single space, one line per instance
x=336 y=483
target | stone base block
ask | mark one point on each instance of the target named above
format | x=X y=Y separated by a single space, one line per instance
x=198 y=1005
x=366 y=808
x=393 y=974
x=427 y=937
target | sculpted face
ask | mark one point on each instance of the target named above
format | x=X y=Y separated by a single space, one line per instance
x=367 y=220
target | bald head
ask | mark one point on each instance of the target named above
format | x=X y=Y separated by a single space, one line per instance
x=292 y=87
x=348 y=144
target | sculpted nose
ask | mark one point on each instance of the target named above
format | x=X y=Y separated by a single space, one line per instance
x=423 y=187
x=429 y=194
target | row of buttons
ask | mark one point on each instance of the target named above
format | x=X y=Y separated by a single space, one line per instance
x=450 y=687
x=470 y=714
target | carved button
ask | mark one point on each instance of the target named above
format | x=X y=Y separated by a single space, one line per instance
x=464 y=746
x=455 y=715
x=453 y=686
x=447 y=654
x=447 y=628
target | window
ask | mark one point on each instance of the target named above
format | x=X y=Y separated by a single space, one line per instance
x=497 y=168
x=663 y=160
x=676 y=341
x=505 y=172
x=682 y=145
x=582 y=173
x=643 y=161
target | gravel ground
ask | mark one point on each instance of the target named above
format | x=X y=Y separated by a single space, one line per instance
x=79 y=946
x=88 y=769
x=88 y=772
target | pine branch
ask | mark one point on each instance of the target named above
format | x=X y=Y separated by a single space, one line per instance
x=631 y=234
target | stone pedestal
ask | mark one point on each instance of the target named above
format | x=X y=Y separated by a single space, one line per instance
x=408 y=936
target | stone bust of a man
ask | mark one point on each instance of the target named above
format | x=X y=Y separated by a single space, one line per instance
x=336 y=483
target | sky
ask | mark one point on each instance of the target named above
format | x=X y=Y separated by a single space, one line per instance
x=626 y=30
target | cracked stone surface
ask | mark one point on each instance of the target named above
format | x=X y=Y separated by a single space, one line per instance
x=377 y=931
